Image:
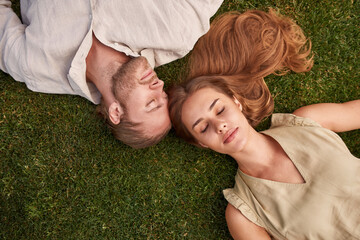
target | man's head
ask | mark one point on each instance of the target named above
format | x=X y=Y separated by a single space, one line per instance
x=139 y=116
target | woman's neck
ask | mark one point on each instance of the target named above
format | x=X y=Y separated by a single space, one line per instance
x=258 y=156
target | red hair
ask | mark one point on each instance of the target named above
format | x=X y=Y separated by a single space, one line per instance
x=235 y=55
x=250 y=45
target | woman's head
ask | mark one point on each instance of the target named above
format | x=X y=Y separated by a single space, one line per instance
x=255 y=101
x=239 y=50
x=216 y=121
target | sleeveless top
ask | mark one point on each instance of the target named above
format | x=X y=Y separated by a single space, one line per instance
x=326 y=206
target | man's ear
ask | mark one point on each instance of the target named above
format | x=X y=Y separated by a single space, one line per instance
x=116 y=112
x=237 y=103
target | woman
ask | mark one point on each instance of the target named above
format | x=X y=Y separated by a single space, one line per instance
x=245 y=48
x=296 y=180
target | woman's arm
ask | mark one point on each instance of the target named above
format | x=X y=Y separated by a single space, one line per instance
x=241 y=228
x=338 y=117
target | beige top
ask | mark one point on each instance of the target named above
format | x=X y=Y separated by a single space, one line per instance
x=326 y=206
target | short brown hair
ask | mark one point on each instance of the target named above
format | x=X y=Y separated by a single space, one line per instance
x=129 y=132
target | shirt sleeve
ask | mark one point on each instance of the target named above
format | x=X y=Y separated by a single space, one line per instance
x=290 y=120
x=241 y=205
x=162 y=30
x=12 y=34
x=39 y=51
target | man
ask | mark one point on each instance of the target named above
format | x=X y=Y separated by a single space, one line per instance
x=91 y=48
x=128 y=84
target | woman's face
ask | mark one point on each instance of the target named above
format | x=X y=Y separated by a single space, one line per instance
x=216 y=121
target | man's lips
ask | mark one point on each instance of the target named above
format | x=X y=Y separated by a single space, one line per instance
x=230 y=135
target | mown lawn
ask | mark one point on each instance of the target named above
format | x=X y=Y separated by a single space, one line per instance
x=63 y=176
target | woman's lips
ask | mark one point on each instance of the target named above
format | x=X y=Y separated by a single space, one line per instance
x=230 y=135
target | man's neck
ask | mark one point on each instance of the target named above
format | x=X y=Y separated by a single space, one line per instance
x=102 y=63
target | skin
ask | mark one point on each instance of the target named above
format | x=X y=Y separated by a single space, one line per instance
x=101 y=63
x=338 y=117
x=146 y=96
x=216 y=121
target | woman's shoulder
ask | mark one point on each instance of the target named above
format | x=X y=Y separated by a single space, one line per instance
x=240 y=204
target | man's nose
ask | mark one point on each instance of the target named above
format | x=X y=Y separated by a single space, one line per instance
x=156 y=83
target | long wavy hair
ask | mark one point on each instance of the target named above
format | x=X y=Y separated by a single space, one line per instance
x=250 y=45
x=236 y=54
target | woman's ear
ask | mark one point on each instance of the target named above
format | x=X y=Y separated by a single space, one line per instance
x=237 y=103
x=116 y=112
x=203 y=145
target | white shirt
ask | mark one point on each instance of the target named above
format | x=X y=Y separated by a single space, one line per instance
x=48 y=50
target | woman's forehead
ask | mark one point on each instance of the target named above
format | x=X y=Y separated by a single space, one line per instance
x=198 y=103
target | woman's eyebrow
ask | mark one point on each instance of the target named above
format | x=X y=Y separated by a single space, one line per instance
x=213 y=104
x=211 y=107
x=197 y=122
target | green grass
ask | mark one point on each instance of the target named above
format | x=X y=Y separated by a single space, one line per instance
x=63 y=176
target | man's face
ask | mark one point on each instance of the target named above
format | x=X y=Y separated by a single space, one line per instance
x=141 y=92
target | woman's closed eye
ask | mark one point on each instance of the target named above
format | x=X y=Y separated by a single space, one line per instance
x=204 y=130
x=221 y=111
x=207 y=125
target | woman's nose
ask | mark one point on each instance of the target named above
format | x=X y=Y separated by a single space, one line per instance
x=221 y=127
x=156 y=83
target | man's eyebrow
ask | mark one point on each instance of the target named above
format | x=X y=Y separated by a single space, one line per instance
x=211 y=107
